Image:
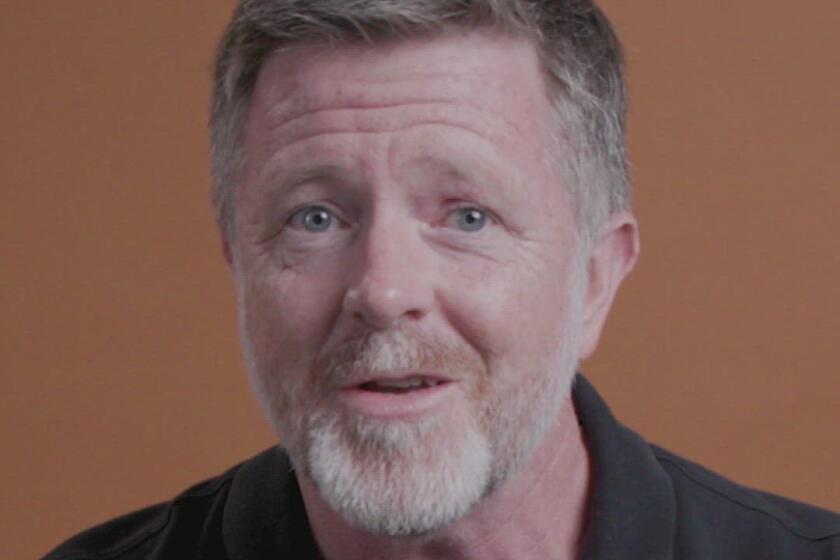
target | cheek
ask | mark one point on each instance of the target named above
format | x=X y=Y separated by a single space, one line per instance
x=286 y=315
x=514 y=313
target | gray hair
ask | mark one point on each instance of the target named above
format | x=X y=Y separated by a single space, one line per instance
x=578 y=48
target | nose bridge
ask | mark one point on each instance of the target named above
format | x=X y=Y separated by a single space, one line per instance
x=392 y=279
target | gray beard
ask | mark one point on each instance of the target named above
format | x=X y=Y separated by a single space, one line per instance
x=400 y=479
x=410 y=478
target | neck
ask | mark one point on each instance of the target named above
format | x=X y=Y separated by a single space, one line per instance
x=538 y=513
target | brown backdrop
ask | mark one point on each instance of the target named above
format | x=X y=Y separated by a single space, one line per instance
x=121 y=375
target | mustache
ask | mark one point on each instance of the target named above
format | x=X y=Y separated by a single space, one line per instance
x=392 y=351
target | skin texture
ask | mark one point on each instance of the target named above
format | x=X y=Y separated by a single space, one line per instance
x=399 y=144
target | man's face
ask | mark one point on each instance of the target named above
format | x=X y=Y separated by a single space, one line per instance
x=407 y=271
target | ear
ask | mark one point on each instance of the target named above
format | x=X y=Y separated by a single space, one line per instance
x=612 y=257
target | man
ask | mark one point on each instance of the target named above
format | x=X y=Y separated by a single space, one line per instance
x=425 y=208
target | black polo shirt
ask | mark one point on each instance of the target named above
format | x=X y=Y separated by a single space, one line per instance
x=647 y=504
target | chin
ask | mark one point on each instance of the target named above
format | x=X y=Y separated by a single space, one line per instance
x=396 y=478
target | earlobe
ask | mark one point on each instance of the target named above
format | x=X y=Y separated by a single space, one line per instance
x=612 y=258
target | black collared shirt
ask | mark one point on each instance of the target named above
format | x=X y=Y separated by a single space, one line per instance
x=647 y=504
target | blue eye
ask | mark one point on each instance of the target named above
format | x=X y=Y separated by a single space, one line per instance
x=470 y=219
x=314 y=219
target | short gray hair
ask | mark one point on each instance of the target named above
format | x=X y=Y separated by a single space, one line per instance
x=578 y=48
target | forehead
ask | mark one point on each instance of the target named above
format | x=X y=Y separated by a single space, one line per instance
x=498 y=76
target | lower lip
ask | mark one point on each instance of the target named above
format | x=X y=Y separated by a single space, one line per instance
x=399 y=406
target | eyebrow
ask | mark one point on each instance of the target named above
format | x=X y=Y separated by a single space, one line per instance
x=281 y=180
x=309 y=174
x=272 y=192
x=476 y=173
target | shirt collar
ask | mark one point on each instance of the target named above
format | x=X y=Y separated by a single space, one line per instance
x=264 y=516
x=632 y=508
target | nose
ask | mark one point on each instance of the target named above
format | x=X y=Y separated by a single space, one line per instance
x=392 y=279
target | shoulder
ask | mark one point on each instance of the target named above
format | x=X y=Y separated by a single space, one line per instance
x=713 y=511
x=186 y=523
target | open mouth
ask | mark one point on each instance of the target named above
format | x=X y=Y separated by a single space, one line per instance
x=400 y=386
x=395 y=396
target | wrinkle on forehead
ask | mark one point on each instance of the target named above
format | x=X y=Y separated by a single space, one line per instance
x=394 y=118
x=308 y=80
x=446 y=81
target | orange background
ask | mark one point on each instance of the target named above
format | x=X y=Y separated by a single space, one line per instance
x=121 y=377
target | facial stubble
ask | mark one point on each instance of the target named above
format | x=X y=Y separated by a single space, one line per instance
x=409 y=478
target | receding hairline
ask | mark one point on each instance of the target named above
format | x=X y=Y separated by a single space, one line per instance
x=325 y=44
x=316 y=51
